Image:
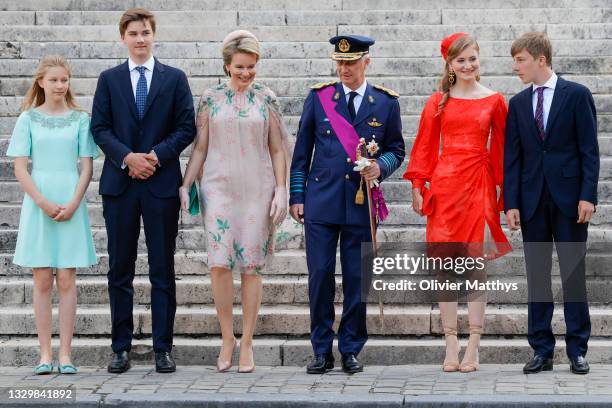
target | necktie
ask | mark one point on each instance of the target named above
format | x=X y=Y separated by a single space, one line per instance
x=141 y=92
x=351 y=105
x=539 y=113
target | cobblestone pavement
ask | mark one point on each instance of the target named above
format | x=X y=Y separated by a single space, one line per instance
x=267 y=386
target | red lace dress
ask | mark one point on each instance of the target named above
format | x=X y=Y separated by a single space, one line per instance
x=461 y=203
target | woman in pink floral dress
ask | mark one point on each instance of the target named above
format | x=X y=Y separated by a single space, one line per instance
x=243 y=146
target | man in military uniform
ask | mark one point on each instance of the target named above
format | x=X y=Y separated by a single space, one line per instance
x=324 y=187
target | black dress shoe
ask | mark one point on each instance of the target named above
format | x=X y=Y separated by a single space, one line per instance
x=164 y=362
x=350 y=364
x=579 y=365
x=320 y=364
x=537 y=364
x=120 y=363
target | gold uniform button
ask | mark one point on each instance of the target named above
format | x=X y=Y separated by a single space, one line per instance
x=347 y=176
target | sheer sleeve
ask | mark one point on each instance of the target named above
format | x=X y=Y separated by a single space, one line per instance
x=277 y=124
x=496 y=146
x=87 y=146
x=426 y=148
x=21 y=139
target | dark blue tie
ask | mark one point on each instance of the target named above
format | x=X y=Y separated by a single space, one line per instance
x=351 y=105
x=141 y=92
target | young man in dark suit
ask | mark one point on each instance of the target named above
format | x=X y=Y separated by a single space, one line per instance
x=142 y=119
x=551 y=168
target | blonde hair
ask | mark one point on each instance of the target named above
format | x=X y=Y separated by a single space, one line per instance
x=535 y=44
x=239 y=41
x=36 y=94
x=136 y=14
x=456 y=48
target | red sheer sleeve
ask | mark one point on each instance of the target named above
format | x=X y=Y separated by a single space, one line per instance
x=426 y=148
x=498 y=129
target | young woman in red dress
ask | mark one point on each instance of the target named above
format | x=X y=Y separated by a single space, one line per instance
x=467 y=120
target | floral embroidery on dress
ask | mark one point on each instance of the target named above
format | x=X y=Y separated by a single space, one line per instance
x=53 y=122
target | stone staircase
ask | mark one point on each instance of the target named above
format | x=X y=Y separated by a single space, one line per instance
x=294 y=36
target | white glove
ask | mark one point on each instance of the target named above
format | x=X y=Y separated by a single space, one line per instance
x=184 y=196
x=278 y=209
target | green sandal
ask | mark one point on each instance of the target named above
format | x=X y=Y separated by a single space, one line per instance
x=67 y=369
x=43 y=368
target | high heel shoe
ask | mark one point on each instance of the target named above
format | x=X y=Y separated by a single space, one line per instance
x=251 y=367
x=223 y=366
x=469 y=366
x=451 y=365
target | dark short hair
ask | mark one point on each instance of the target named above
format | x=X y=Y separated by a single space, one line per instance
x=136 y=14
x=535 y=43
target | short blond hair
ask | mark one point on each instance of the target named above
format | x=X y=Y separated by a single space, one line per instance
x=239 y=41
x=535 y=43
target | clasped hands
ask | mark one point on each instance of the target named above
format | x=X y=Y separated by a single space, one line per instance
x=58 y=212
x=141 y=165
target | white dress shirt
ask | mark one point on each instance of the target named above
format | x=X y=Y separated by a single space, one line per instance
x=135 y=75
x=548 y=96
x=360 y=93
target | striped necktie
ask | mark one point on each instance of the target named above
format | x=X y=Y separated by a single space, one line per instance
x=539 y=113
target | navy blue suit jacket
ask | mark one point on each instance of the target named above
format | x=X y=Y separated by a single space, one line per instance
x=167 y=127
x=322 y=176
x=567 y=160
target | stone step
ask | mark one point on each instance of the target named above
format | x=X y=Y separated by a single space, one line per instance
x=414 y=320
x=319 y=32
x=7 y=172
x=394 y=191
x=320 y=17
x=273 y=351
x=320 y=66
x=286 y=87
x=399 y=215
x=290 y=259
x=410 y=124
x=555 y=32
x=286 y=289
x=291 y=105
x=121 y=5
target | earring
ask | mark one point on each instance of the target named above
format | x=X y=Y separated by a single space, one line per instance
x=451 y=77
x=478 y=77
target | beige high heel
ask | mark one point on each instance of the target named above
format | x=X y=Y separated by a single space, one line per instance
x=223 y=366
x=452 y=365
x=249 y=368
x=469 y=366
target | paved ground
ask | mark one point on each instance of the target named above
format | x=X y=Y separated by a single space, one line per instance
x=414 y=385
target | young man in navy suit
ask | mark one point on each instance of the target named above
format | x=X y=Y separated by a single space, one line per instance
x=551 y=168
x=143 y=118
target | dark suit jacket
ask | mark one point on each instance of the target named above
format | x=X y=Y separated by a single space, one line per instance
x=567 y=160
x=168 y=127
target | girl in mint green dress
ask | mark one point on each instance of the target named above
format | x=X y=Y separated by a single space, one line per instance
x=54 y=230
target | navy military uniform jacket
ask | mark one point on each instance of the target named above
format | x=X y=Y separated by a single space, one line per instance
x=322 y=176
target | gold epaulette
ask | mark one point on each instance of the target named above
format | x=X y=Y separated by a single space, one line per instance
x=388 y=91
x=321 y=85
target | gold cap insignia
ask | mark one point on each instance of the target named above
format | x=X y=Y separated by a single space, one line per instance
x=344 y=45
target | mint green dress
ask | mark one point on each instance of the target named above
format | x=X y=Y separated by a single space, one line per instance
x=54 y=143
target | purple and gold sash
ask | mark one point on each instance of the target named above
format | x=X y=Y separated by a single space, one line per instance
x=349 y=139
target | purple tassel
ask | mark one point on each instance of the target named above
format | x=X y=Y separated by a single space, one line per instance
x=380 y=208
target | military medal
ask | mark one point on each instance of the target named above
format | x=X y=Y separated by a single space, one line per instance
x=374 y=123
x=372 y=147
x=336 y=96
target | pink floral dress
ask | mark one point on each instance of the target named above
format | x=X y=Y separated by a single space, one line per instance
x=238 y=183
